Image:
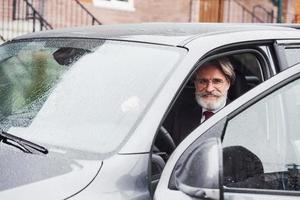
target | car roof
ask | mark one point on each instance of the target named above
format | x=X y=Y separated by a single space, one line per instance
x=173 y=34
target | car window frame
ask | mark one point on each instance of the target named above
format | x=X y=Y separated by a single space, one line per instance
x=234 y=49
x=259 y=48
x=261 y=56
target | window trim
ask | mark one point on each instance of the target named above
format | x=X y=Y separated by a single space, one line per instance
x=115 y=4
x=218 y=129
x=260 y=55
x=224 y=51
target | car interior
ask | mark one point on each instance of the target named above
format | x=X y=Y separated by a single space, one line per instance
x=249 y=73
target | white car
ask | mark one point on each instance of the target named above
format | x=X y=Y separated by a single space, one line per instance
x=88 y=113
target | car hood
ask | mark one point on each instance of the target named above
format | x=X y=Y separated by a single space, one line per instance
x=56 y=175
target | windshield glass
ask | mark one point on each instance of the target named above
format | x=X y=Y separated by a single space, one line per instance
x=79 y=93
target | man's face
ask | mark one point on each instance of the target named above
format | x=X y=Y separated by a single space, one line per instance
x=211 y=88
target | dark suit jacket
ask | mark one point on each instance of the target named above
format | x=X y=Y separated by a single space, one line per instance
x=183 y=119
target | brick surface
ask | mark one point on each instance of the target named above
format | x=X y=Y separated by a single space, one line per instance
x=241 y=11
x=145 y=11
x=66 y=13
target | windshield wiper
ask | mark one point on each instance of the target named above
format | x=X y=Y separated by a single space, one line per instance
x=20 y=143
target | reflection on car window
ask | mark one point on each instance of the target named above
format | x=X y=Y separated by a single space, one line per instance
x=261 y=146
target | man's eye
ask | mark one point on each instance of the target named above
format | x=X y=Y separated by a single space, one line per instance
x=202 y=81
x=217 y=81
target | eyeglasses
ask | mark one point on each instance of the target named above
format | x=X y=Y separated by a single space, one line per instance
x=216 y=82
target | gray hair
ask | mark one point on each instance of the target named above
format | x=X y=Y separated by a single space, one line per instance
x=224 y=65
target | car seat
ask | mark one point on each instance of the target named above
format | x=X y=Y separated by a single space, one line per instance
x=239 y=86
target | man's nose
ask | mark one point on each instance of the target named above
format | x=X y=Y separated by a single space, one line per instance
x=210 y=87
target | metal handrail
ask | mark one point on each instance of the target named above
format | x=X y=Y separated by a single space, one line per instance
x=24 y=16
x=71 y=13
x=94 y=19
x=270 y=14
x=249 y=12
x=40 y=18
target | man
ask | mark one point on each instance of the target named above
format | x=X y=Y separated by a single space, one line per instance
x=212 y=81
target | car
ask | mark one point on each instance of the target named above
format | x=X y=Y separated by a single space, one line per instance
x=87 y=113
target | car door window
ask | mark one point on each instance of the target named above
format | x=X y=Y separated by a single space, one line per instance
x=185 y=114
x=261 y=145
x=248 y=68
x=289 y=51
x=292 y=55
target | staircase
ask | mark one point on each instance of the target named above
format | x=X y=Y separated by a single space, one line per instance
x=236 y=11
x=19 y=17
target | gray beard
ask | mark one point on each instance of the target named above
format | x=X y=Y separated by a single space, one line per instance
x=211 y=105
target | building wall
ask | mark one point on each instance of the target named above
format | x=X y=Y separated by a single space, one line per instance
x=211 y=10
x=296 y=18
x=241 y=11
x=145 y=11
x=66 y=13
x=179 y=11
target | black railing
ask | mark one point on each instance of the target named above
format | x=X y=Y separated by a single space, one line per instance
x=89 y=14
x=18 y=17
x=38 y=22
x=246 y=13
x=237 y=12
x=265 y=15
x=65 y=13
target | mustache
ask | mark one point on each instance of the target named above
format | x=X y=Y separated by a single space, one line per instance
x=204 y=94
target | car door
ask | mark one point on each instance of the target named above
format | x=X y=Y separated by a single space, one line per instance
x=249 y=150
x=253 y=64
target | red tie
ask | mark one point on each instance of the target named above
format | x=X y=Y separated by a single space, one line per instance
x=207 y=114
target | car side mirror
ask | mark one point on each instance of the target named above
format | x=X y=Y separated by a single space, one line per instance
x=199 y=172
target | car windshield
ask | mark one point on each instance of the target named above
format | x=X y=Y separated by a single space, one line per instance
x=79 y=93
